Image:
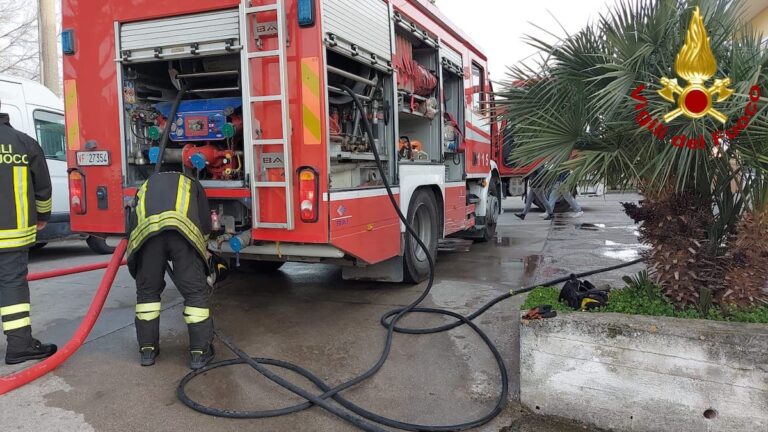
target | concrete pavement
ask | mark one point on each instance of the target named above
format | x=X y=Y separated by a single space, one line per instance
x=304 y=314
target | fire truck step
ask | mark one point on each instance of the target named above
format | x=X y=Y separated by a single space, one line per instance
x=269 y=98
x=268 y=142
x=262 y=54
x=270 y=184
x=257 y=9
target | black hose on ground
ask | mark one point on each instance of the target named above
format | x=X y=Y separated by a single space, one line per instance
x=389 y=320
x=170 y=121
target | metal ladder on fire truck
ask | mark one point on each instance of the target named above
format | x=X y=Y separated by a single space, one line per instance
x=251 y=39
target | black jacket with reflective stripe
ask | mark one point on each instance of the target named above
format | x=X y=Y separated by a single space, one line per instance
x=169 y=201
x=25 y=188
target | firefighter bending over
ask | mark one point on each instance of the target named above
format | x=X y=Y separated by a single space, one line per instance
x=171 y=221
x=25 y=200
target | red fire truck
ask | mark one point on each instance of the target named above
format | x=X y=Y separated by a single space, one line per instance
x=251 y=97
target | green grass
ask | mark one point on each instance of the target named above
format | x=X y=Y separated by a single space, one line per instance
x=642 y=301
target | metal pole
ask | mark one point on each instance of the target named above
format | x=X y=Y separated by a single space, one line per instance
x=49 y=52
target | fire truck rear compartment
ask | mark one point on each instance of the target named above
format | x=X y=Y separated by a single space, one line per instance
x=205 y=138
x=352 y=161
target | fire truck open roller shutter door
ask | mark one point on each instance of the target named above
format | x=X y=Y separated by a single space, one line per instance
x=370 y=30
x=212 y=33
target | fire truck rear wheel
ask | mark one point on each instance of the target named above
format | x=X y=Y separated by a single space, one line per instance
x=257 y=266
x=99 y=245
x=493 y=211
x=422 y=216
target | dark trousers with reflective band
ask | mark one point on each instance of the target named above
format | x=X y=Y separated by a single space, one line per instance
x=14 y=300
x=190 y=278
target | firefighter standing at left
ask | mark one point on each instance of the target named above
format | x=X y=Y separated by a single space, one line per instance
x=171 y=221
x=25 y=200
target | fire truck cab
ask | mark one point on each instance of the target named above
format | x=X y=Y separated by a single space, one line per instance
x=252 y=97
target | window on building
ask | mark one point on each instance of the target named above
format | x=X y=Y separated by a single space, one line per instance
x=49 y=128
x=478 y=87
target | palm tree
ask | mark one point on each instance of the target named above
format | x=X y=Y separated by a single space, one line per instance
x=602 y=94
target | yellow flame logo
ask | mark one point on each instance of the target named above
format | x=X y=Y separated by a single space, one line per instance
x=696 y=64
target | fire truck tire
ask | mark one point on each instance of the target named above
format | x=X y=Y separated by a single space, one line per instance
x=257 y=266
x=493 y=212
x=422 y=216
x=99 y=245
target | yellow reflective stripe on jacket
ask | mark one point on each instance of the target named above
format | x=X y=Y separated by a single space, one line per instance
x=18 y=237
x=17 y=324
x=193 y=315
x=44 y=206
x=20 y=195
x=12 y=310
x=141 y=211
x=169 y=219
x=183 y=195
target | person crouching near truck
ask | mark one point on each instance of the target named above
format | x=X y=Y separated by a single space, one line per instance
x=25 y=197
x=171 y=221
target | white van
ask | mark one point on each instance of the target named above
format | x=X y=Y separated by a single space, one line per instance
x=36 y=111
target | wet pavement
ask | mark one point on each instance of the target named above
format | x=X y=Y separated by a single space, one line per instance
x=604 y=236
x=306 y=314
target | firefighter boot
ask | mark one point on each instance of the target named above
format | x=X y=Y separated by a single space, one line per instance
x=22 y=347
x=147 y=355
x=148 y=335
x=200 y=343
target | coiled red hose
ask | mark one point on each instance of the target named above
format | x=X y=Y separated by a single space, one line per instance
x=18 y=379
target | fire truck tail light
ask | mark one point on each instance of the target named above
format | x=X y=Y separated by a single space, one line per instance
x=308 y=194
x=306 y=13
x=77 y=192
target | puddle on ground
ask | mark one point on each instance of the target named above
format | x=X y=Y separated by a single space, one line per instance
x=622 y=251
x=530 y=265
x=589 y=226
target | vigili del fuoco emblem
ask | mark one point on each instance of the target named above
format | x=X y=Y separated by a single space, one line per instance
x=696 y=64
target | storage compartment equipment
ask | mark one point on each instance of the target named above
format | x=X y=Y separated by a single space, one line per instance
x=158 y=59
x=417 y=63
x=453 y=114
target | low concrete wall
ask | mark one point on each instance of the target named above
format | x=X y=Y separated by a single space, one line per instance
x=636 y=373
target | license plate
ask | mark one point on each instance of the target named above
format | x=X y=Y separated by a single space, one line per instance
x=93 y=158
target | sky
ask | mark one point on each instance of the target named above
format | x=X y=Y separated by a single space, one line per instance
x=499 y=26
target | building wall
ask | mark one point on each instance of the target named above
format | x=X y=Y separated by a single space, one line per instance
x=760 y=22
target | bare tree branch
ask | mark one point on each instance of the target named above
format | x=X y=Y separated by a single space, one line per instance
x=19 y=39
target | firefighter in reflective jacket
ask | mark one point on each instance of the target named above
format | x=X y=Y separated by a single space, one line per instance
x=25 y=200
x=171 y=221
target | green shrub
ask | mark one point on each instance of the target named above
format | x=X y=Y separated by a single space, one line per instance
x=642 y=299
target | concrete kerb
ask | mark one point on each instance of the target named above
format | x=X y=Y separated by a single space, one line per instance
x=638 y=373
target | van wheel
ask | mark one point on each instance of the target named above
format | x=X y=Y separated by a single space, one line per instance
x=247 y=266
x=422 y=216
x=99 y=245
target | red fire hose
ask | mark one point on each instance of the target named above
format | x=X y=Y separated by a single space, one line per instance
x=69 y=271
x=18 y=379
